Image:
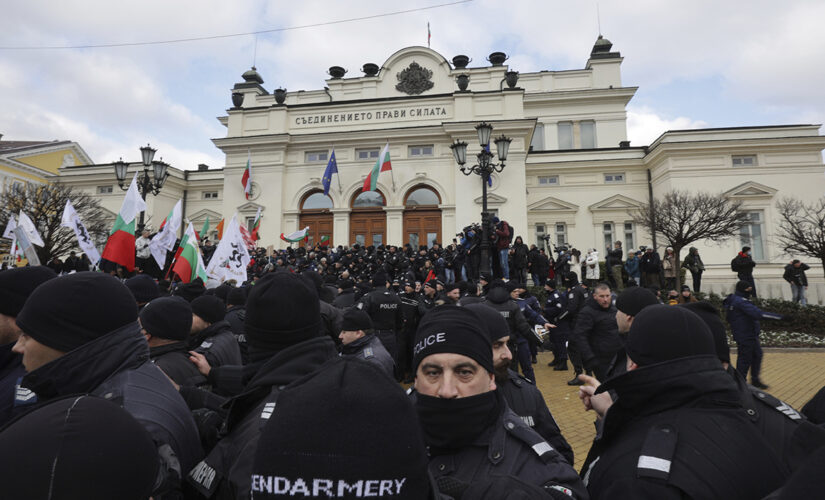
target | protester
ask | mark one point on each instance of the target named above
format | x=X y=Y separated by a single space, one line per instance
x=795 y=275
x=631 y=266
x=669 y=268
x=613 y=264
x=743 y=265
x=595 y=335
x=693 y=263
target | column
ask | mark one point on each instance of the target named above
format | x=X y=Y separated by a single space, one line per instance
x=395 y=225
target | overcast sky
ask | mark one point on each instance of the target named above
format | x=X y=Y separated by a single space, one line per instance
x=697 y=63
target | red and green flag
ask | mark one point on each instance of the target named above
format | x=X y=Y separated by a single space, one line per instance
x=120 y=247
x=296 y=236
x=381 y=165
x=246 y=179
x=205 y=229
x=189 y=263
x=256 y=225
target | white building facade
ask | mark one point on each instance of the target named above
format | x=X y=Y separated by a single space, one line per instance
x=570 y=173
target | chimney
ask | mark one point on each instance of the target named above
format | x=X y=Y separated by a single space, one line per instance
x=624 y=144
x=202 y=167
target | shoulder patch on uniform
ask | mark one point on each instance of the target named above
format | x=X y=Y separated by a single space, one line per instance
x=23 y=396
x=267 y=411
x=368 y=353
x=206 y=344
x=776 y=403
x=205 y=478
x=657 y=452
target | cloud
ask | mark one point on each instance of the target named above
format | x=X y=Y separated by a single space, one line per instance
x=644 y=125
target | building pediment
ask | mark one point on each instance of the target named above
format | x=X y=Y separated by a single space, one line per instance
x=492 y=199
x=250 y=207
x=751 y=189
x=617 y=202
x=201 y=215
x=554 y=205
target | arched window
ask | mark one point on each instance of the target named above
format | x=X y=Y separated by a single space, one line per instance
x=421 y=196
x=368 y=199
x=317 y=201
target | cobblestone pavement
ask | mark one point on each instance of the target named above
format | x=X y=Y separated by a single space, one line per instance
x=793 y=377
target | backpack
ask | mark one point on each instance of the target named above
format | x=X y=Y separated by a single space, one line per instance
x=733 y=265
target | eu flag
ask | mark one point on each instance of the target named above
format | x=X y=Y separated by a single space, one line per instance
x=332 y=168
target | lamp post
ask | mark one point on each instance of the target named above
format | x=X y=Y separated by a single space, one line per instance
x=151 y=180
x=484 y=168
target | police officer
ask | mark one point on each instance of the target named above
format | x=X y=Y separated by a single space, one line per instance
x=357 y=340
x=470 y=432
x=211 y=334
x=556 y=311
x=165 y=322
x=384 y=309
x=677 y=429
x=409 y=310
x=499 y=299
x=522 y=395
x=428 y=297
x=577 y=295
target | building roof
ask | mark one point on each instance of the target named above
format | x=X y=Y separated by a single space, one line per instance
x=9 y=146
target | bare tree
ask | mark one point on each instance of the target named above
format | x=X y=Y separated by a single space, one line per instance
x=683 y=218
x=802 y=227
x=44 y=204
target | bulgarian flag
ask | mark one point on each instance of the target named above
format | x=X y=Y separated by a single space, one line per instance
x=246 y=179
x=205 y=229
x=256 y=225
x=120 y=247
x=297 y=236
x=382 y=165
x=189 y=264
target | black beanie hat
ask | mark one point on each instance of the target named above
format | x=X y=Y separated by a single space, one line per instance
x=663 y=333
x=68 y=312
x=17 y=284
x=363 y=411
x=456 y=330
x=356 y=319
x=710 y=315
x=511 y=285
x=742 y=286
x=236 y=297
x=209 y=308
x=492 y=319
x=347 y=284
x=222 y=291
x=633 y=300
x=192 y=290
x=167 y=318
x=77 y=447
x=379 y=279
x=281 y=310
x=143 y=287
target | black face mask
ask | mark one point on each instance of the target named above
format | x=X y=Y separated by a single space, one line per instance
x=451 y=424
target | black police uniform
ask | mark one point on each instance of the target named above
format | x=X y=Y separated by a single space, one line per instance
x=218 y=344
x=409 y=310
x=499 y=299
x=556 y=311
x=370 y=349
x=384 y=308
x=525 y=399
x=173 y=359
x=576 y=297
x=507 y=448
x=678 y=430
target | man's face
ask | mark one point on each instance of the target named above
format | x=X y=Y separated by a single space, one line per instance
x=349 y=336
x=198 y=324
x=34 y=353
x=450 y=376
x=8 y=330
x=618 y=245
x=514 y=294
x=797 y=264
x=623 y=321
x=501 y=356
x=602 y=297
x=454 y=294
x=145 y=234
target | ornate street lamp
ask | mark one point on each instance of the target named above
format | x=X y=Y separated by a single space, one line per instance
x=150 y=180
x=484 y=168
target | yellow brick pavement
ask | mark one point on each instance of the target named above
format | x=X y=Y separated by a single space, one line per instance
x=793 y=377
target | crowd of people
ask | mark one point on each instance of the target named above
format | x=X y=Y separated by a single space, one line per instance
x=291 y=384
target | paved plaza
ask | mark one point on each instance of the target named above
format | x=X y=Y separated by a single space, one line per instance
x=792 y=376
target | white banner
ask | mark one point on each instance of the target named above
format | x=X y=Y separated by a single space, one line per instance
x=164 y=241
x=231 y=257
x=72 y=220
x=9 y=232
x=26 y=246
x=27 y=225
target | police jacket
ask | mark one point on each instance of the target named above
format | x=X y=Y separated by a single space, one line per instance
x=226 y=472
x=370 y=349
x=500 y=300
x=384 y=308
x=744 y=316
x=576 y=298
x=173 y=359
x=235 y=316
x=596 y=335
x=345 y=299
x=815 y=408
x=425 y=303
x=331 y=318
x=116 y=367
x=677 y=430
x=531 y=313
x=11 y=369
x=791 y=436
x=507 y=448
x=217 y=343
x=555 y=308
x=526 y=401
x=409 y=311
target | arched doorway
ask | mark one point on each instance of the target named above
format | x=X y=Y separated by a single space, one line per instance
x=367 y=221
x=422 y=217
x=315 y=213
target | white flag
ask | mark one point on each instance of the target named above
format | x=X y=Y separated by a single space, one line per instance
x=72 y=220
x=164 y=241
x=9 y=232
x=231 y=258
x=31 y=231
x=26 y=246
x=133 y=204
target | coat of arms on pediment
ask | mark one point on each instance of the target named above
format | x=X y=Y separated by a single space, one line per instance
x=414 y=80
